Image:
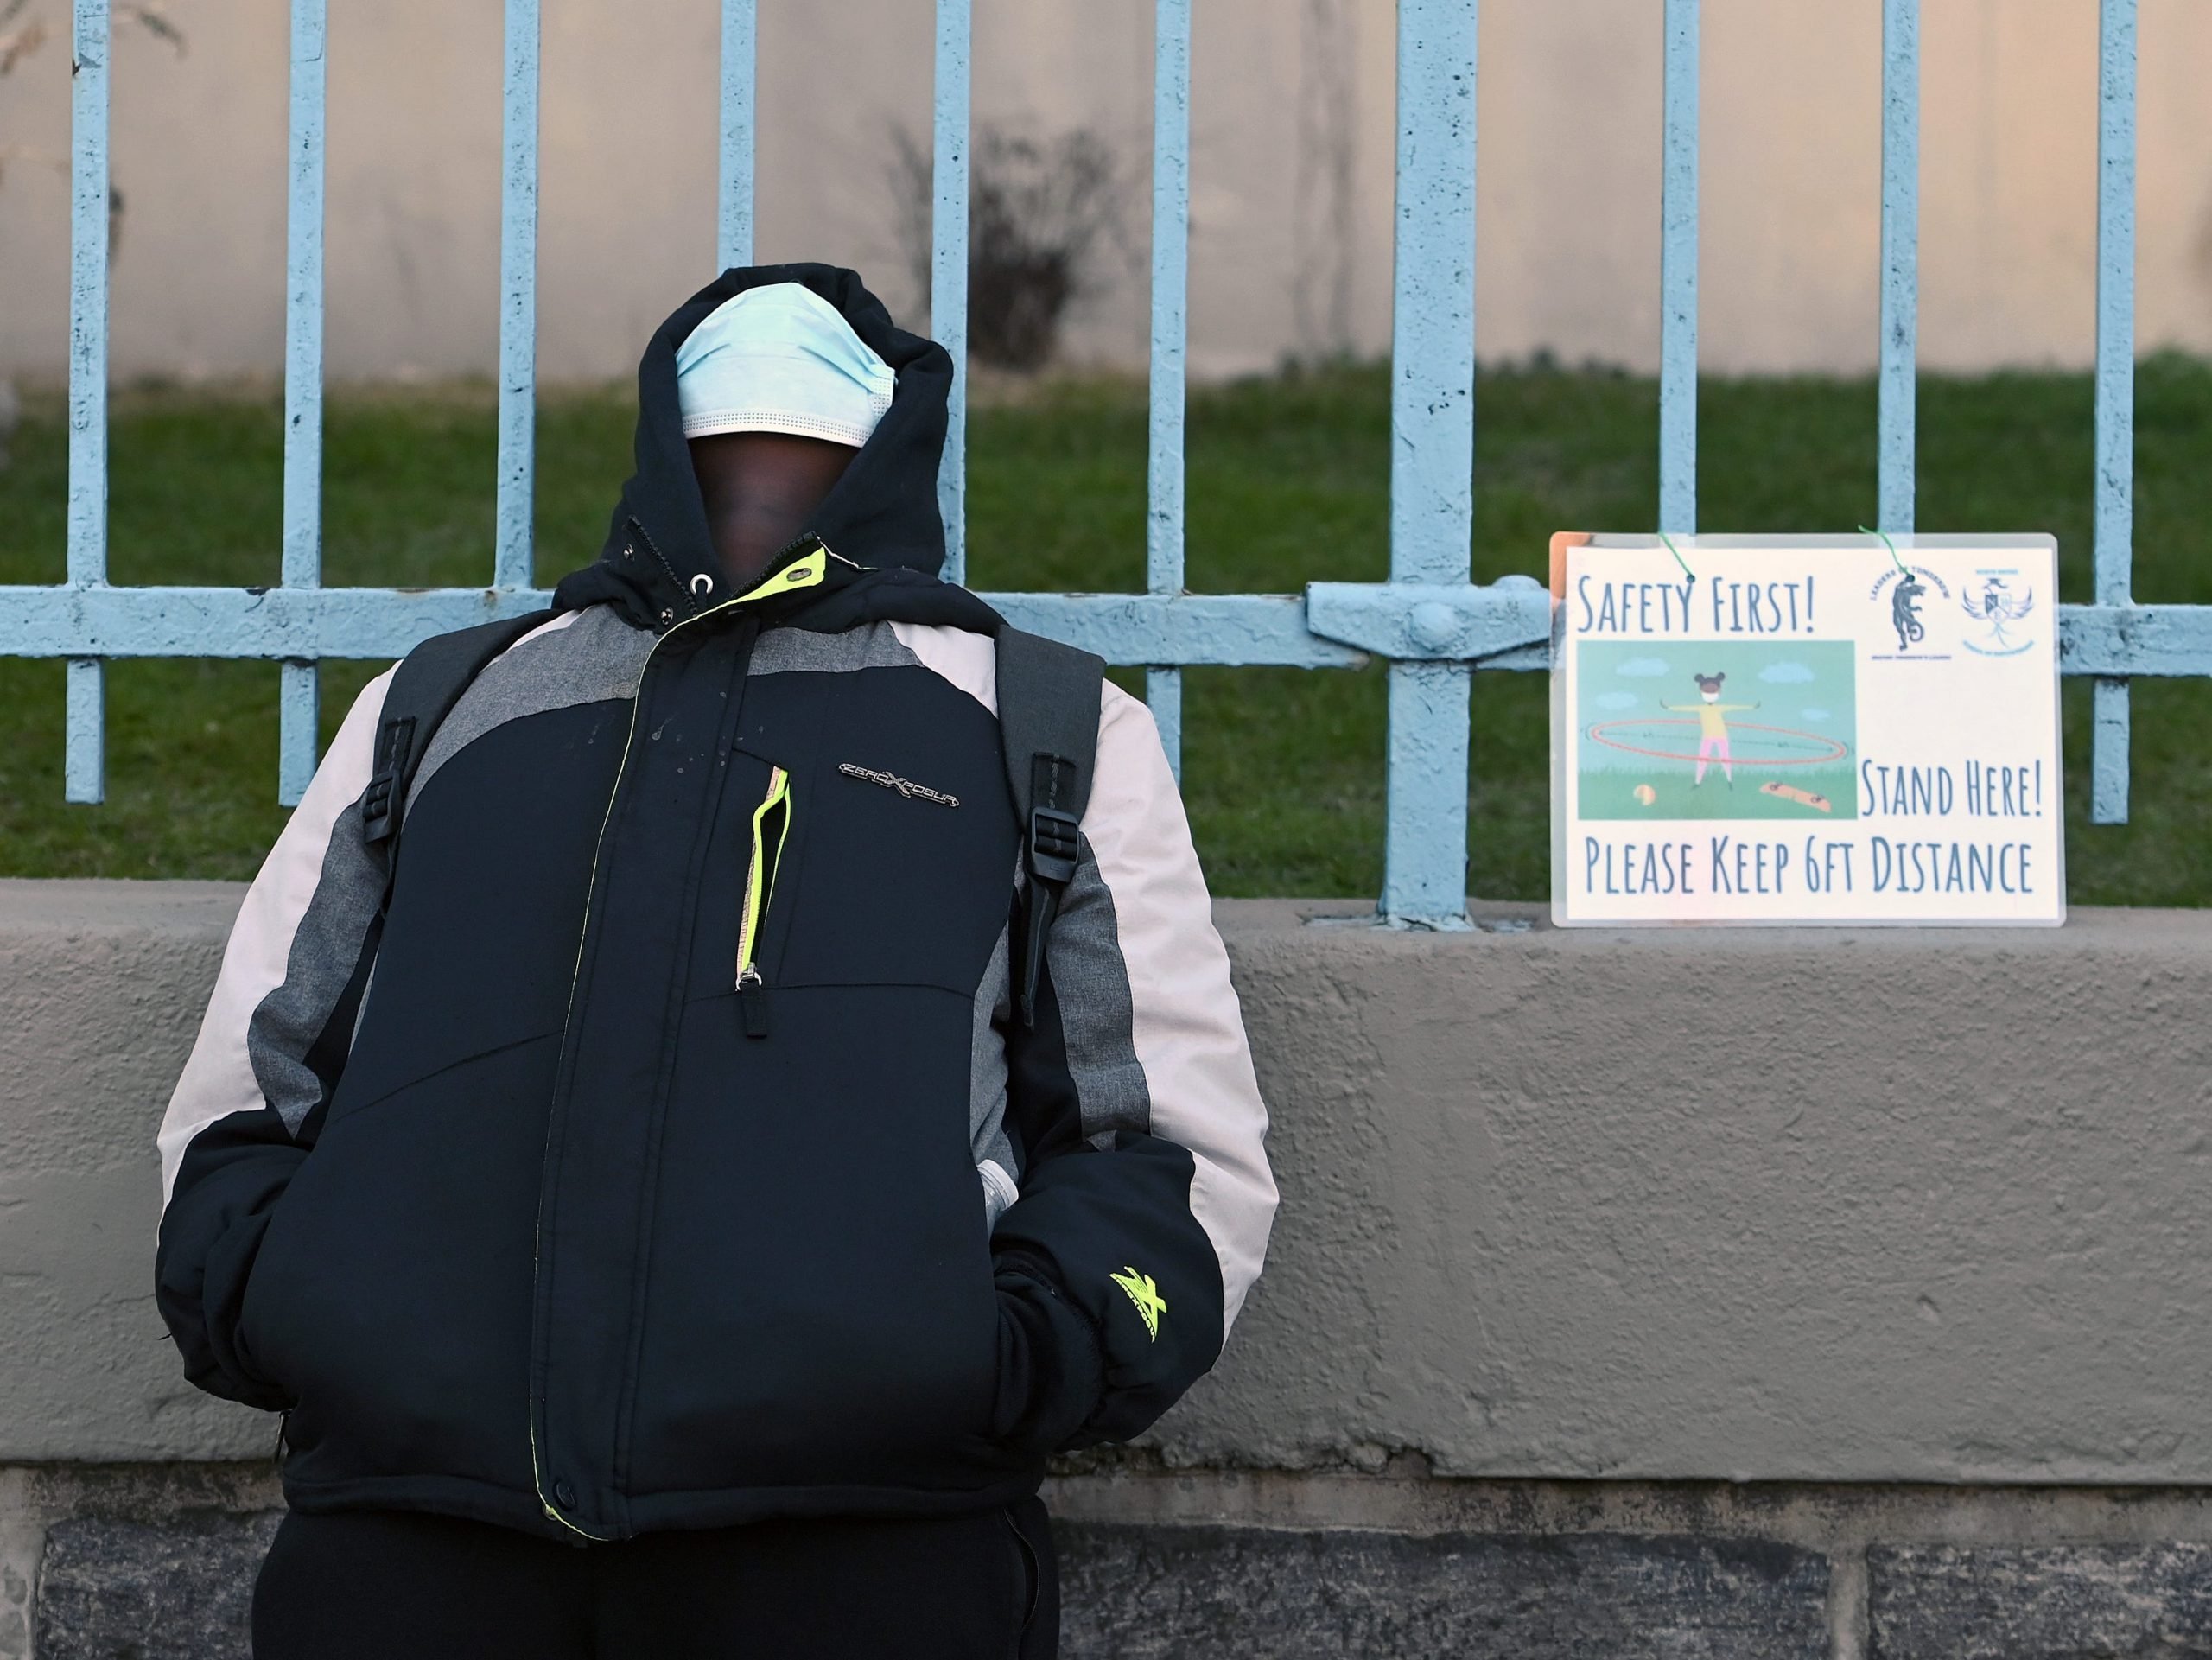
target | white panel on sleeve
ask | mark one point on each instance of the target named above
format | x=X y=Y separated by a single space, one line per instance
x=969 y=661
x=1188 y=1029
x=218 y=1078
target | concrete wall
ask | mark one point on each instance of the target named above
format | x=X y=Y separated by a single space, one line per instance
x=1731 y=1204
x=1903 y=1230
x=1292 y=135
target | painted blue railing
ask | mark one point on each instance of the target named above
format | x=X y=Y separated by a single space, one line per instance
x=1428 y=620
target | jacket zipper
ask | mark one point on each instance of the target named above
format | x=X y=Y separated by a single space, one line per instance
x=575 y=977
x=771 y=825
x=796 y=574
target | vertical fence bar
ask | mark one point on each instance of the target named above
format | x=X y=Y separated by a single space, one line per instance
x=734 y=223
x=83 y=731
x=2115 y=416
x=1678 y=274
x=1171 y=270
x=85 y=688
x=1432 y=449
x=949 y=269
x=1896 y=388
x=512 y=539
x=299 y=693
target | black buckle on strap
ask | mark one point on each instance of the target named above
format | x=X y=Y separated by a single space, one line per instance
x=1054 y=847
x=380 y=799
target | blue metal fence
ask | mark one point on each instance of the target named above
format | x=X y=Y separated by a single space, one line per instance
x=1428 y=620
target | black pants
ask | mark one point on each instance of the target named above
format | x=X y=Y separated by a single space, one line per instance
x=387 y=1585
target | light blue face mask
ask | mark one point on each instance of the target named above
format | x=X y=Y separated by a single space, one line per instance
x=779 y=359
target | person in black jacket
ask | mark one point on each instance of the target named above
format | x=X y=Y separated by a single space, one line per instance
x=663 y=1229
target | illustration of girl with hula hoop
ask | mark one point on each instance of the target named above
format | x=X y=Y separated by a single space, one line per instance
x=1712 y=726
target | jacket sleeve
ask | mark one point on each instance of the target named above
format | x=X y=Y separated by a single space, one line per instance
x=252 y=1098
x=1146 y=1198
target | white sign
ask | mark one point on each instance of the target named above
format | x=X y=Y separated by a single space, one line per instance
x=1811 y=730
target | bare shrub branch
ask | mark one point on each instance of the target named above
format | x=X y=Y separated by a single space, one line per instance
x=1038 y=209
x=153 y=16
x=19 y=43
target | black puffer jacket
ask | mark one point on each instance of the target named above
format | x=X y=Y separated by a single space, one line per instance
x=667 y=1156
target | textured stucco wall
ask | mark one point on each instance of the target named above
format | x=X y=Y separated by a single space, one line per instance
x=1292 y=142
x=1884 y=1205
x=1733 y=1205
x=101 y=988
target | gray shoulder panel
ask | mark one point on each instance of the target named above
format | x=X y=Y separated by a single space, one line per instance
x=1097 y=1015
x=595 y=659
x=325 y=951
x=797 y=651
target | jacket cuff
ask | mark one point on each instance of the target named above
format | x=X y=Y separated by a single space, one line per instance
x=204 y=1304
x=1051 y=1365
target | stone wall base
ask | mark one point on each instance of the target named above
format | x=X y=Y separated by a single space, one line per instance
x=157 y=1563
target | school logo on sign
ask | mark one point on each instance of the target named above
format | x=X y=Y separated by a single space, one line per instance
x=1991 y=600
x=1907 y=589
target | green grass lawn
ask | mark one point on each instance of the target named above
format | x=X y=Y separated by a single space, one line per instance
x=1289 y=483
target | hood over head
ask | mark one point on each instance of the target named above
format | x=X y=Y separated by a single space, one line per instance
x=880 y=518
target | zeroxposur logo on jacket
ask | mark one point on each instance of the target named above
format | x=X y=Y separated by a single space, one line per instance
x=1145 y=1296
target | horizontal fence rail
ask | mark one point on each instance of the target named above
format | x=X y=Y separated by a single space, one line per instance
x=1430 y=623
x=1505 y=625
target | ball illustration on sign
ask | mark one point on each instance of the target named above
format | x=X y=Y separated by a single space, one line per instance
x=1645 y=795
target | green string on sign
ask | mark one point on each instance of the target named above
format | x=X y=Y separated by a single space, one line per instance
x=1677 y=553
x=1886 y=543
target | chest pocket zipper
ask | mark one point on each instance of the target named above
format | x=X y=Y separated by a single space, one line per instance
x=771 y=825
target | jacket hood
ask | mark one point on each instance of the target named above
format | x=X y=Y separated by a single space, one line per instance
x=658 y=566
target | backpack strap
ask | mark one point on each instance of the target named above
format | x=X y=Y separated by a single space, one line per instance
x=1048 y=698
x=427 y=684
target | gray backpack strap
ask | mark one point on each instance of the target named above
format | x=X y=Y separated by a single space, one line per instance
x=1048 y=725
x=427 y=684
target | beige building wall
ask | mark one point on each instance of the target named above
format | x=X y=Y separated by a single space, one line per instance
x=1292 y=132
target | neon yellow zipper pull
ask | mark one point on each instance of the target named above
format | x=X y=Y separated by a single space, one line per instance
x=760 y=890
